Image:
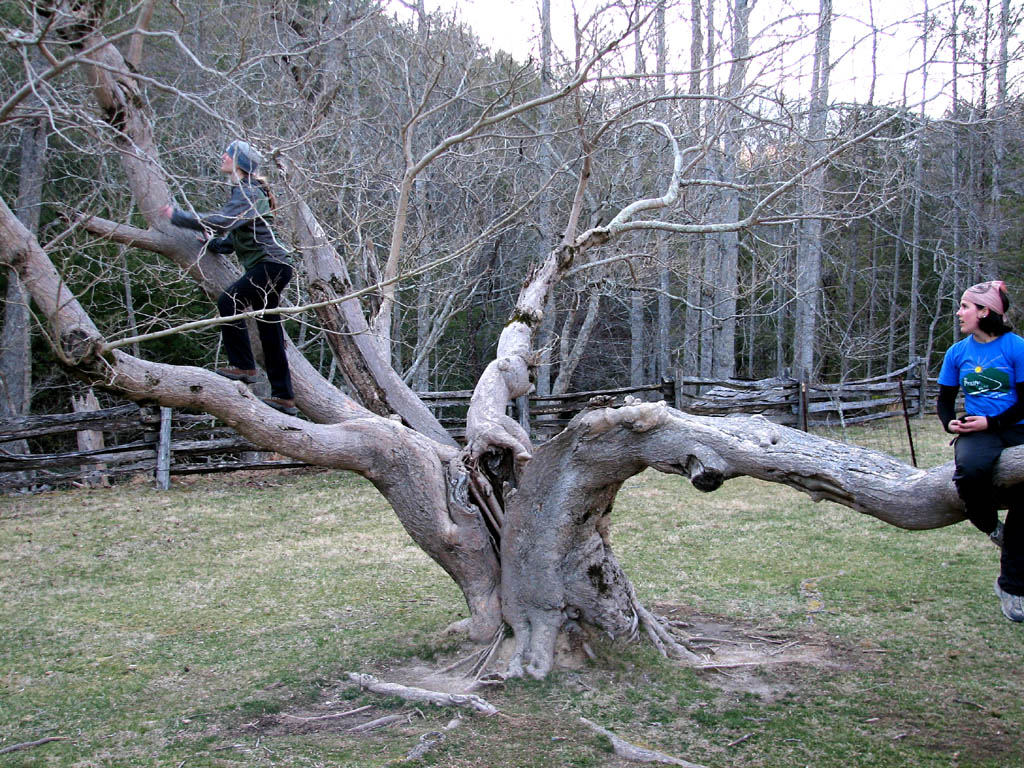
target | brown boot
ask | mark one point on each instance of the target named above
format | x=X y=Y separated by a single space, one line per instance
x=238 y=374
x=282 y=404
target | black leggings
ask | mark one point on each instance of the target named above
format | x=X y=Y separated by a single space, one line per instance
x=259 y=288
x=976 y=457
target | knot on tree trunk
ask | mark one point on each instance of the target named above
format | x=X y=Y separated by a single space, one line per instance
x=528 y=316
x=703 y=478
x=565 y=255
x=498 y=433
x=80 y=347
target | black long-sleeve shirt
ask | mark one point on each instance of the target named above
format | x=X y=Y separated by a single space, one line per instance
x=244 y=224
x=946 y=406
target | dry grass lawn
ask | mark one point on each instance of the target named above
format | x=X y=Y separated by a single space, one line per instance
x=213 y=625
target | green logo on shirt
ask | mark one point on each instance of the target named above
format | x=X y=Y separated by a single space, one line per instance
x=986 y=382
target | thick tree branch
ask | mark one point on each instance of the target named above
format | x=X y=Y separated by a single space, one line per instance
x=409 y=693
x=557 y=563
x=423 y=480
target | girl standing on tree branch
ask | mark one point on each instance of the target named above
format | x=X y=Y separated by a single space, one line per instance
x=988 y=365
x=244 y=227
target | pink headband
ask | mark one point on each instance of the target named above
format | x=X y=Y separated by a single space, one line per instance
x=987 y=295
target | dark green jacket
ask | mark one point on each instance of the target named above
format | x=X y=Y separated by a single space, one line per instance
x=244 y=225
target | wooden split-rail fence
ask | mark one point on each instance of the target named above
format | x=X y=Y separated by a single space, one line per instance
x=157 y=442
x=132 y=441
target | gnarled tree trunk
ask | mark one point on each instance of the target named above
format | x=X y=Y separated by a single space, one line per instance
x=557 y=563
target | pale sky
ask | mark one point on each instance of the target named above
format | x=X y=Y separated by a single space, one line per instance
x=512 y=25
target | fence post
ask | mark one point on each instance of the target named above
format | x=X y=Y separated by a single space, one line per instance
x=668 y=392
x=523 y=406
x=906 y=421
x=90 y=439
x=802 y=400
x=922 y=388
x=163 y=450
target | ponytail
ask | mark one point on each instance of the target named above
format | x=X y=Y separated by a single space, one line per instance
x=262 y=183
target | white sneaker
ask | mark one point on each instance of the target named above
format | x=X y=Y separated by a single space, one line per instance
x=1012 y=605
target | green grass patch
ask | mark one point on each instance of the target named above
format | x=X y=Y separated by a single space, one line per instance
x=211 y=625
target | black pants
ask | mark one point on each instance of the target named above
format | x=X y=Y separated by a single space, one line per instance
x=259 y=288
x=976 y=456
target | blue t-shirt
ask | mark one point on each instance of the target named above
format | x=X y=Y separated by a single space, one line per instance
x=987 y=373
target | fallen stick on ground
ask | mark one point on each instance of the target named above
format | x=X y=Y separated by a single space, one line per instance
x=740 y=740
x=30 y=744
x=467 y=700
x=329 y=716
x=632 y=752
x=380 y=722
x=739 y=664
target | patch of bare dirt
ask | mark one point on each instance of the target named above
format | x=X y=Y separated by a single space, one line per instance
x=738 y=657
x=765 y=661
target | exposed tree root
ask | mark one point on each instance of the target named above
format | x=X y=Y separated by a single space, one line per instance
x=663 y=640
x=465 y=661
x=743 y=664
x=466 y=700
x=487 y=656
x=632 y=752
x=479 y=660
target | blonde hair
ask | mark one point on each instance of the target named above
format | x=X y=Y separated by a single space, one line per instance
x=262 y=183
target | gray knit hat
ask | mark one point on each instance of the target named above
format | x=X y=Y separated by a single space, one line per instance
x=245 y=155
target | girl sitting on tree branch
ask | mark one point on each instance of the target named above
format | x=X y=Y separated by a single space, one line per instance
x=989 y=366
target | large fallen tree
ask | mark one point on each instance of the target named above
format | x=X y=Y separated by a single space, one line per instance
x=523 y=529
